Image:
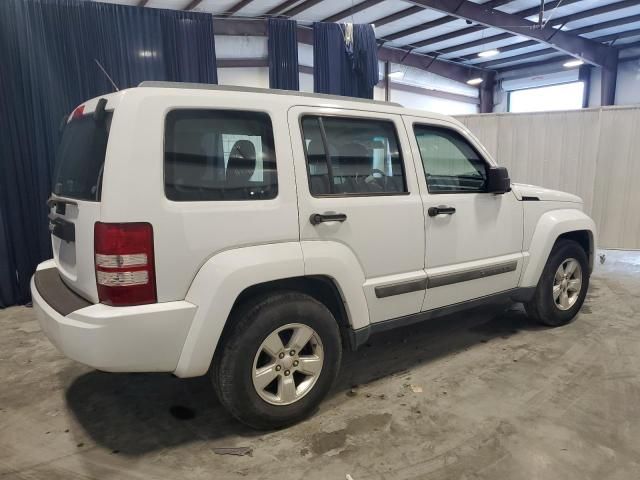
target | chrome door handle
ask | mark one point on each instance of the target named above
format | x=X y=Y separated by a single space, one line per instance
x=441 y=209
x=317 y=218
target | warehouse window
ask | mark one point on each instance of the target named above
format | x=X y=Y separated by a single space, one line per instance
x=566 y=96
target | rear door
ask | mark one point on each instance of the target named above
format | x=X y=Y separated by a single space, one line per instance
x=357 y=186
x=76 y=192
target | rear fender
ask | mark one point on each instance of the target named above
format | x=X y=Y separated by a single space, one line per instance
x=217 y=285
x=336 y=260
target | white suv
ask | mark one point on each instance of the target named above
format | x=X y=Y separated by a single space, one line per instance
x=252 y=234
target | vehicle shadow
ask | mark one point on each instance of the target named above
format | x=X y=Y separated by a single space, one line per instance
x=138 y=413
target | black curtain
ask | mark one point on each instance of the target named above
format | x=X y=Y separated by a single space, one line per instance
x=342 y=69
x=283 y=54
x=48 y=52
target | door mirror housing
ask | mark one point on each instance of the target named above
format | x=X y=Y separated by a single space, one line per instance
x=498 y=180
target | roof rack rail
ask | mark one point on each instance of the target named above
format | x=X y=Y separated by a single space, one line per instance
x=233 y=88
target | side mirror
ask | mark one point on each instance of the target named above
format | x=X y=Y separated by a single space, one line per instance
x=498 y=180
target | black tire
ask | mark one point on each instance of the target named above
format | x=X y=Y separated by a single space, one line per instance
x=232 y=371
x=542 y=307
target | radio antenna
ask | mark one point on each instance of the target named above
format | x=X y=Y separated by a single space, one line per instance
x=106 y=75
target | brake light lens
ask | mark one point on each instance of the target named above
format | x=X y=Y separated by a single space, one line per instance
x=77 y=113
x=125 y=272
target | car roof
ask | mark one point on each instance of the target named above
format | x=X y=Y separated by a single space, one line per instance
x=295 y=97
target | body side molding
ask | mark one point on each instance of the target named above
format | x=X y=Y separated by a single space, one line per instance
x=360 y=336
x=383 y=291
x=471 y=274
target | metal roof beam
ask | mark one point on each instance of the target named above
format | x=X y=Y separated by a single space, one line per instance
x=527 y=67
x=397 y=16
x=435 y=23
x=618 y=22
x=627 y=46
x=465 y=31
x=522 y=56
x=192 y=4
x=615 y=36
x=281 y=7
x=552 y=23
x=451 y=70
x=546 y=51
x=234 y=8
x=582 y=48
x=307 y=4
x=352 y=10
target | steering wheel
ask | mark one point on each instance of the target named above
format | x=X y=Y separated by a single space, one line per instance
x=380 y=181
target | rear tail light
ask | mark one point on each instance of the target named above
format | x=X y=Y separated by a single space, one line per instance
x=125 y=272
x=77 y=113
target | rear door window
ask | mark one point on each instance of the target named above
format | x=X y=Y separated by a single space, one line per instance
x=352 y=156
x=80 y=158
x=219 y=155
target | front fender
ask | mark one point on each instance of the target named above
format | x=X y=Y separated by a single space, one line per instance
x=217 y=285
x=550 y=226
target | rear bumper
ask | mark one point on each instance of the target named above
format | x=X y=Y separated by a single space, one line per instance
x=143 y=338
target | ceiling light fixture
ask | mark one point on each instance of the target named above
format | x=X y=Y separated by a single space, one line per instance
x=573 y=63
x=475 y=81
x=397 y=75
x=489 y=53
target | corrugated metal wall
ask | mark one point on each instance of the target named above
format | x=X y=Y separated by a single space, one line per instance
x=594 y=153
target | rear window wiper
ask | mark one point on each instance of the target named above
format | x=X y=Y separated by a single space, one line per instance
x=60 y=204
x=53 y=200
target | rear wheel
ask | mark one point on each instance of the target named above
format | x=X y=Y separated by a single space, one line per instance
x=563 y=285
x=278 y=361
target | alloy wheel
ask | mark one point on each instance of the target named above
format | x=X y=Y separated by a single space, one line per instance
x=288 y=364
x=567 y=284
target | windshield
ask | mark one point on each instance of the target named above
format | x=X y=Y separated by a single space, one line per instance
x=80 y=158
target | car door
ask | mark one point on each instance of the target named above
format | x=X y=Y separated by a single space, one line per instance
x=357 y=187
x=473 y=238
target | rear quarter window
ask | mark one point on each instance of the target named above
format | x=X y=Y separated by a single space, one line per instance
x=216 y=155
x=80 y=158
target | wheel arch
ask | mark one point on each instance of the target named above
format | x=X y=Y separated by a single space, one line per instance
x=585 y=239
x=322 y=288
x=552 y=226
x=233 y=276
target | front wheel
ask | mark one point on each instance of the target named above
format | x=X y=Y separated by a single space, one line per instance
x=563 y=285
x=278 y=361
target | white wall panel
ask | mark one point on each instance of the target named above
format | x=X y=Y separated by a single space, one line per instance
x=427 y=102
x=594 y=153
x=245 y=77
x=306 y=82
x=241 y=46
x=617 y=209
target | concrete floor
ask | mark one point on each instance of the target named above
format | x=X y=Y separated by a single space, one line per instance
x=479 y=395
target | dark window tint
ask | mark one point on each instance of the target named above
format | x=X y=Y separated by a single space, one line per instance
x=219 y=155
x=362 y=158
x=450 y=163
x=80 y=158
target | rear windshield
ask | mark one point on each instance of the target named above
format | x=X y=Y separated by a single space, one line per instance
x=80 y=158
